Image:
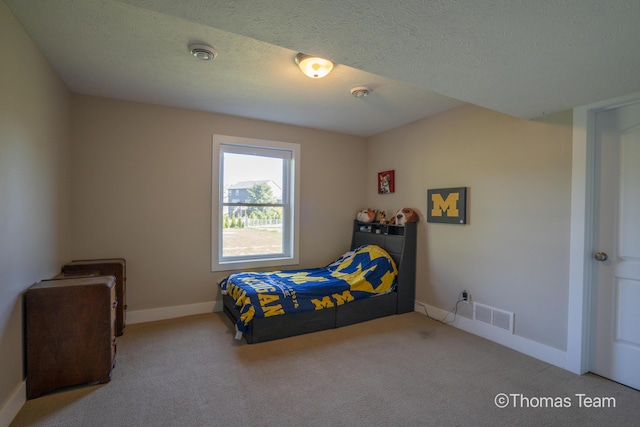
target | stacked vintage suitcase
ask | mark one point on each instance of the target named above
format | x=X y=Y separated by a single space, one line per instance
x=71 y=324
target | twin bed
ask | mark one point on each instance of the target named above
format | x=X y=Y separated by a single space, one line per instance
x=376 y=278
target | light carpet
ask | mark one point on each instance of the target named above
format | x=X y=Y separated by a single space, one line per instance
x=404 y=370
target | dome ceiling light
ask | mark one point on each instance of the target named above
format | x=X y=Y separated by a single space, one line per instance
x=203 y=52
x=312 y=66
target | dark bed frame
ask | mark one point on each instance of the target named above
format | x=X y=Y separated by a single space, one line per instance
x=398 y=241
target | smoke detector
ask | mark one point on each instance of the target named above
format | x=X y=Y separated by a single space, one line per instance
x=203 y=52
x=360 y=91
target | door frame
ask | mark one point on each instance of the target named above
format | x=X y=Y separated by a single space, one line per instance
x=583 y=207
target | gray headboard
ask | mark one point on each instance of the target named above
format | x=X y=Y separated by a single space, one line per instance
x=400 y=242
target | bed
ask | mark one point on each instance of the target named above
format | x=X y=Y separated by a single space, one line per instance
x=265 y=317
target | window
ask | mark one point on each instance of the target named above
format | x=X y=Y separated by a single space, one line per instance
x=255 y=203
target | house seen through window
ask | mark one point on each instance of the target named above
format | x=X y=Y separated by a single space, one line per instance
x=257 y=203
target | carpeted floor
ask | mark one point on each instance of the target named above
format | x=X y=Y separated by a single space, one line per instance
x=405 y=370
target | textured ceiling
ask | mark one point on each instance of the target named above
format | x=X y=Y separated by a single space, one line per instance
x=522 y=57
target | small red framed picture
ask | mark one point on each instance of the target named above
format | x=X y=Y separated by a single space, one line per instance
x=386 y=182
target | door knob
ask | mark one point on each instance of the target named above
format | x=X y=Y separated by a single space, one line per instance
x=601 y=256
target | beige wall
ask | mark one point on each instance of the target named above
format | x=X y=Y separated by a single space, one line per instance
x=34 y=185
x=142 y=190
x=514 y=252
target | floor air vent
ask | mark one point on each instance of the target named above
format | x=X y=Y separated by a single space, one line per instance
x=492 y=316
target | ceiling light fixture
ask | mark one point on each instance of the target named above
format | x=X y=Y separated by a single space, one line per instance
x=360 y=91
x=313 y=66
x=203 y=52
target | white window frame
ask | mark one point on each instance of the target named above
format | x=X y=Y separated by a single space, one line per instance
x=291 y=201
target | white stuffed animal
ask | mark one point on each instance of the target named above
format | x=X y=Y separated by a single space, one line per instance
x=366 y=215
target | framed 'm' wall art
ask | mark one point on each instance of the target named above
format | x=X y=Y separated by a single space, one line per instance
x=386 y=182
x=447 y=205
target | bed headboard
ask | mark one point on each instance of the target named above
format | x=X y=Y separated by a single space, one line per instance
x=400 y=242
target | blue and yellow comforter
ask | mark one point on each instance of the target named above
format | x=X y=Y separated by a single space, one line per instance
x=367 y=271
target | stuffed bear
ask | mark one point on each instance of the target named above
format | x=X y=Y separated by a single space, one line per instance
x=381 y=217
x=366 y=215
x=404 y=215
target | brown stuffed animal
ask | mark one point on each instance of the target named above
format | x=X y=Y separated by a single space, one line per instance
x=405 y=215
x=381 y=217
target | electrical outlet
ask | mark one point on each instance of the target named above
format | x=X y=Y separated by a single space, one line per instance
x=465 y=296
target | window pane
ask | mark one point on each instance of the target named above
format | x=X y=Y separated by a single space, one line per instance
x=242 y=168
x=256 y=185
x=249 y=230
x=251 y=234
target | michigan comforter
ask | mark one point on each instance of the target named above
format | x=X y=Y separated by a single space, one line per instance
x=362 y=273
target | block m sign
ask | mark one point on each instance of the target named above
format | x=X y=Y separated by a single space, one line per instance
x=448 y=205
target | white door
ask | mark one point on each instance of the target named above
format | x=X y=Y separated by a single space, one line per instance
x=615 y=343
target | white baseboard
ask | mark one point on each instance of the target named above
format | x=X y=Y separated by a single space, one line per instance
x=151 y=315
x=529 y=347
x=13 y=405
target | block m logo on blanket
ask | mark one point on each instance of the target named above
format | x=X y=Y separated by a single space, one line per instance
x=327 y=301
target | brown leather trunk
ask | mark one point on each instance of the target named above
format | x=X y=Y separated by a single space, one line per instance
x=70 y=329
